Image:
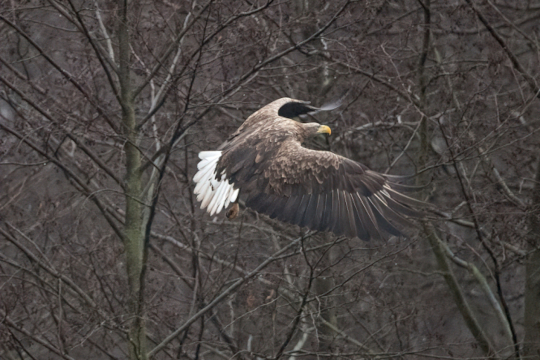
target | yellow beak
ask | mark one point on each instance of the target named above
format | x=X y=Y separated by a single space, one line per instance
x=323 y=129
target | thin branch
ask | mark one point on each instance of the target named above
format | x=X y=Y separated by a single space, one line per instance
x=105 y=32
x=170 y=49
x=517 y=65
x=10 y=323
x=456 y=292
x=221 y=297
x=432 y=237
x=62 y=71
x=83 y=295
x=82 y=186
x=68 y=133
x=484 y=285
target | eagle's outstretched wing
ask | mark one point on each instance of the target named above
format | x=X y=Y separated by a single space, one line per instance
x=324 y=191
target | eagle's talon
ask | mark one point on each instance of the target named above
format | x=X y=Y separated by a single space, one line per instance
x=232 y=213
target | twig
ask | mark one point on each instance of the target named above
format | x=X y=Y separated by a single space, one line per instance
x=221 y=297
x=517 y=65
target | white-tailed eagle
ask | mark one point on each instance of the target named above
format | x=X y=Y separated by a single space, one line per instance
x=265 y=162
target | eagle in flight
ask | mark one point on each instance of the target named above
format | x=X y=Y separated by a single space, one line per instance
x=264 y=160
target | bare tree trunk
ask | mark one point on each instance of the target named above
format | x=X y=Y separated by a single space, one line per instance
x=323 y=73
x=328 y=312
x=531 y=348
x=133 y=238
x=432 y=237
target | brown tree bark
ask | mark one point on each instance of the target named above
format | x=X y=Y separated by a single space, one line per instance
x=134 y=236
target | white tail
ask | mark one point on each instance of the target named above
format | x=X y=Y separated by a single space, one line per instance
x=216 y=194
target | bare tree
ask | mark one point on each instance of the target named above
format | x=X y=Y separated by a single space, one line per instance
x=104 y=107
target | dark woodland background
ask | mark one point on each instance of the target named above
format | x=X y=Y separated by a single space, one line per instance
x=105 y=254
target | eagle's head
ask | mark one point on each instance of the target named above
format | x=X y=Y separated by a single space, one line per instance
x=313 y=129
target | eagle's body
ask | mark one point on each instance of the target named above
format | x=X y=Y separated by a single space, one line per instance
x=265 y=161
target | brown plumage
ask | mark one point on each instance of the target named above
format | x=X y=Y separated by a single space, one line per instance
x=265 y=162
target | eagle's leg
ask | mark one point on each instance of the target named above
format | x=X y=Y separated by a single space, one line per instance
x=232 y=213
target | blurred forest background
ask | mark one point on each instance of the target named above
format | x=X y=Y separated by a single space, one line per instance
x=105 y=254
